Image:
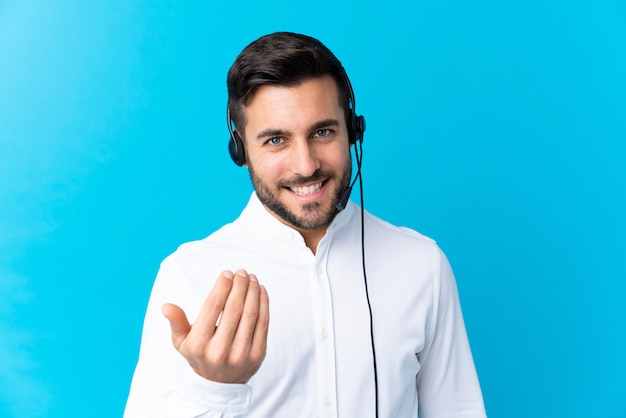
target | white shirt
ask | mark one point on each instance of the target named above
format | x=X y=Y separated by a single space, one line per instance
x=319 y=356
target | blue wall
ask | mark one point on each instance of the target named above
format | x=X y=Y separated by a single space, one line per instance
x=497 y=128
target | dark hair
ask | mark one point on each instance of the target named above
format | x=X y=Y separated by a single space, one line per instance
x=282 y=59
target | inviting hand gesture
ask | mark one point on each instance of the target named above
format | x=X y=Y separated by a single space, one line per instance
x=227 y=343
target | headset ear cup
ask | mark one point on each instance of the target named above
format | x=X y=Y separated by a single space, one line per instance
x=236 y=149
x=359 y=128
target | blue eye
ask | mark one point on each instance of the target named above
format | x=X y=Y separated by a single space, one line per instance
x=322 y=132
x=275 y=141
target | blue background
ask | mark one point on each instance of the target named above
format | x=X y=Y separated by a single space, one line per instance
x=497 y=128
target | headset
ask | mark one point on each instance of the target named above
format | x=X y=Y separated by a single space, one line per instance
x=356 y=128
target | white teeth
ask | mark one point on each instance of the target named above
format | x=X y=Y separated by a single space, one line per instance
x=306 y=190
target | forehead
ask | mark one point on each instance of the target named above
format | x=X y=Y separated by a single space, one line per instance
x=312 y=97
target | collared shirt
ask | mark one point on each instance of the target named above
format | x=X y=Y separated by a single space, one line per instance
x=319 y=360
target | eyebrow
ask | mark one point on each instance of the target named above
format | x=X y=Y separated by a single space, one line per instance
x=270 y=133
x=324 y=124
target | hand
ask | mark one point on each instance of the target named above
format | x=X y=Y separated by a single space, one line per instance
x=228 y=348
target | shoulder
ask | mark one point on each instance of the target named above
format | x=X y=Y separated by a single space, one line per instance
x=223 y=236
x=386 y=233
x=197 y=255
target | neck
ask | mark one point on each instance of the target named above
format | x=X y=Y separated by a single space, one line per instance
x=313 y=237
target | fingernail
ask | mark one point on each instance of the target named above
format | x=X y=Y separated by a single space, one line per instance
x=253 y=278
x=228 y=274
x=242 y=273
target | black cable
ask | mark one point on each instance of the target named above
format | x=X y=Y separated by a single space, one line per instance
x=358 y=153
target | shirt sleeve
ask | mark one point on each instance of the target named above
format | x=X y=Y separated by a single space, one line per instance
x=164 y=385
x=447 y=383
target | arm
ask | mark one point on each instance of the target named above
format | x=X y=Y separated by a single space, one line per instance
x=447 y=383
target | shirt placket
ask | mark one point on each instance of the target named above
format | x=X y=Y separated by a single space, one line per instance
x=325 y=339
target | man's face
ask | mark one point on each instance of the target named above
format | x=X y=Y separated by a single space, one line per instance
x=297 y=151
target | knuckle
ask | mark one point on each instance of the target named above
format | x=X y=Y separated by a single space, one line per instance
x=214 y=305
x=238 y=358
x=257 y=355
x=251 y=313
x=218 y=358
x=234 y=308
x=196 y=348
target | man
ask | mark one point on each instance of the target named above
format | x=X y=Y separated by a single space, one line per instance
x=358 y=328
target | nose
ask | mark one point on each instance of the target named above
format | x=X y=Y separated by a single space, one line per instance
x=304 y=159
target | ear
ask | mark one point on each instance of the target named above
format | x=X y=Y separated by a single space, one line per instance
x=236 y=149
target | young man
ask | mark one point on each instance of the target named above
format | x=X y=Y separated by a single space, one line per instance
x=358 y=328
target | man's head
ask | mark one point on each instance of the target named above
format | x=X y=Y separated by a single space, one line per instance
x=292 y=105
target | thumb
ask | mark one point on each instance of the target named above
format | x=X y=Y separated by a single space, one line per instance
x=178 y=322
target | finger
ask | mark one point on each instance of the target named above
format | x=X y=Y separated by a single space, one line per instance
x=233 y=309
x=249 y=316
x=178 y=323
x=259 y=339
x=204 y=326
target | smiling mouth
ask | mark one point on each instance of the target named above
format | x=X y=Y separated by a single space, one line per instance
x=307 y=190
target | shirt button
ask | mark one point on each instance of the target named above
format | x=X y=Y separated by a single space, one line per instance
x=242 y=394
x=324 y=334
x=320 y=270
x=327 y=402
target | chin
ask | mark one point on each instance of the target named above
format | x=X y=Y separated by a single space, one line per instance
x=305 y=216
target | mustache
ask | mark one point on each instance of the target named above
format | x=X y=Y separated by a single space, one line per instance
x=318 y=175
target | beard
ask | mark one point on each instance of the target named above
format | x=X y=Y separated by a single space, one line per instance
x=313 y=215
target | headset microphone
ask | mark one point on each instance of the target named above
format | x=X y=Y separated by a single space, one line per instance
x=343 y=200
x=345 y=196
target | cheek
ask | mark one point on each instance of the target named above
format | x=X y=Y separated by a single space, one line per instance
x=339 y=158
x=269 y=170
